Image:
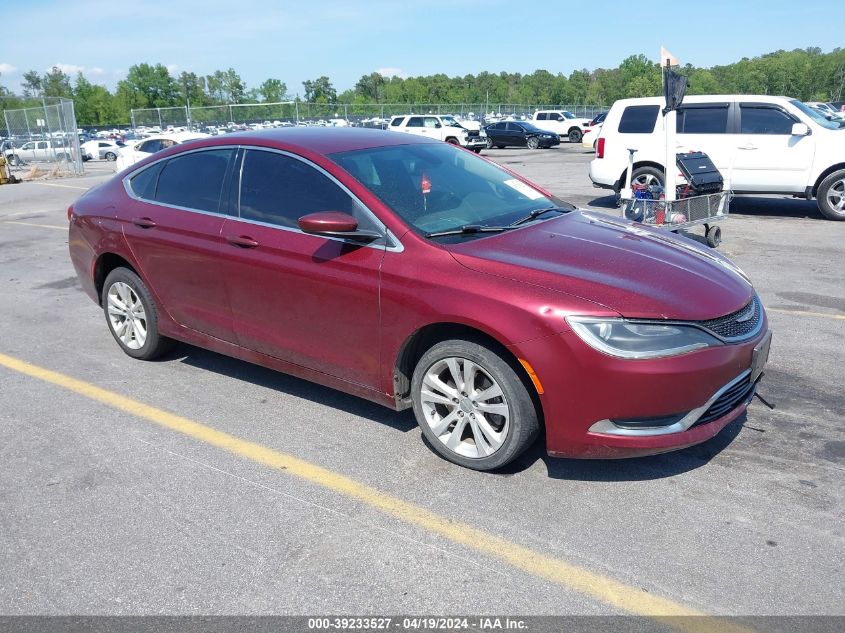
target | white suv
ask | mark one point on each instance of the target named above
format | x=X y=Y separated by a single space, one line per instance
x=442 y=127
x=761 y=144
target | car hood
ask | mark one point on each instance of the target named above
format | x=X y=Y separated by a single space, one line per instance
x=634 y=270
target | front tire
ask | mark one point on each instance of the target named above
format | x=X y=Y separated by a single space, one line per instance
x=489 y=143
x=831 y=196
x=131 y=315
x=452 y=141
x=533 y=143
x=472 y=406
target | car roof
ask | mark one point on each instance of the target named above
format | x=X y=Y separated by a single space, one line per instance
x=704 y=99
x=321 y=140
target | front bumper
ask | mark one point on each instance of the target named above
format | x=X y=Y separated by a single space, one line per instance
x=590 y=398
x=476 y=142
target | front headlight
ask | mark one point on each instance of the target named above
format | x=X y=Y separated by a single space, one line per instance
x=628 y=339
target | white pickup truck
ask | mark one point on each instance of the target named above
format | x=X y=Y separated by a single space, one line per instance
x=564 y=123
x=443 y=127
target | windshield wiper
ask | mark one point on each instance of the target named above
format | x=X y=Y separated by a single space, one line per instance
x=536 y=213
x=468 y=229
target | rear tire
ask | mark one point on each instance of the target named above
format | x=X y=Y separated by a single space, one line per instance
x=575 y=135
x=714 y=236
x=831 y=196
x=472 y=406
x=131 y=315
x=647 y=176
x=110 y=156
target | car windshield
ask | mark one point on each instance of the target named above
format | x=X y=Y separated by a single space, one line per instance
x=817 y=116
x=438 y=187
x=450 y=121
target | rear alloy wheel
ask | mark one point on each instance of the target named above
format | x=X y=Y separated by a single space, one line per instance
x=831 y=196
x=110 y=156
x=131 y=315
x=575 y=136
x=471 y=405
x=647 y=176
x=533 y=142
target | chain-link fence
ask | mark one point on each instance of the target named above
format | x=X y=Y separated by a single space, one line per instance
x=43 y=137
x=366 y=114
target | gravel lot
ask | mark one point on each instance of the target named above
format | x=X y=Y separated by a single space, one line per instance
x=104 y=512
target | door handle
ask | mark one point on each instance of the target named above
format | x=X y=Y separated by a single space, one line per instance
x=241 y=241
x=144 y=223
x=748 y=146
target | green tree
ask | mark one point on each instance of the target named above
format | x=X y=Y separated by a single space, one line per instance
x=319 y=90
x=273 y=90
x=370 y=87
x=56 y=83
x=148 y=86
x=31 y=84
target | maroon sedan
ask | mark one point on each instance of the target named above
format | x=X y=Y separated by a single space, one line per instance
x=416 y=274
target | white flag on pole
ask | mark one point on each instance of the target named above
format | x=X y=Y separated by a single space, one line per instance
x=667 y=56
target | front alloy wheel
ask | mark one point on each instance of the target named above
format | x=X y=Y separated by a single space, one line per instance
x=465 y=407
x=533 y=142
x=831 y=196
x=472 y=406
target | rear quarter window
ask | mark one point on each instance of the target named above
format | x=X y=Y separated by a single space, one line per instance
x=638 y=119
x=143 y=184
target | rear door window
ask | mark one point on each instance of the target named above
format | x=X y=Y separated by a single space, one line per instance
x=143 y=184
x=194 y=180
x=415 y=121
x=638 y=119
x=710 y=119
x=764 y=120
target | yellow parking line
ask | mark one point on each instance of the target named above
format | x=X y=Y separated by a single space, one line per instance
x=55 y=184
x=40 y=226
x=840 y=317
x=610 y=591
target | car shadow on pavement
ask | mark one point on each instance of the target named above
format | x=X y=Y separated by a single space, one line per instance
x=629 y=469
x=290 y=385
x=777 y=207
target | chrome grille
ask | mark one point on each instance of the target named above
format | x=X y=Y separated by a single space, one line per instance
x=728 y=401
x=739 y=325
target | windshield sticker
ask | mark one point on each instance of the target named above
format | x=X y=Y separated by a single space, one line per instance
x=525 y=190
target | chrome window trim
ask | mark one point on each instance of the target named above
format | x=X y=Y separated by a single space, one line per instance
x=392 y=243
x=606 y=427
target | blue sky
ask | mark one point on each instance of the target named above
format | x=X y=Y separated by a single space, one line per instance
x=295 y=41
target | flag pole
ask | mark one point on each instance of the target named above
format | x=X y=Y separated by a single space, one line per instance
x=669 y=124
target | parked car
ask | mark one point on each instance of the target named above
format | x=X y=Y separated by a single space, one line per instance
x=760 y=144
x=414 y=274
x=591 y=136
x=102 y=149
x=131 y=154
x=444 y=128
x=40 y=151
x=828 y=110
x=598 y=119
x=564 y=123
x=519 y=134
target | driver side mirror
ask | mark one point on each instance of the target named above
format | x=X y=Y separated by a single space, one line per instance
x=335 y=224
x=800 y=129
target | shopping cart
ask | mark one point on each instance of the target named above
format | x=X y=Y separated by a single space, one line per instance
x=699 y=201
x=683 y=213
